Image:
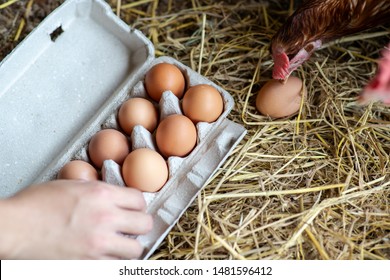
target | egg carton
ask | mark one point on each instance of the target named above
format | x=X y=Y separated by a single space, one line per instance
x=67 y=80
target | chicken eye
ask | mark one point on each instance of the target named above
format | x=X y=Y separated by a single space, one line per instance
x=291 y=56
x=309 y=48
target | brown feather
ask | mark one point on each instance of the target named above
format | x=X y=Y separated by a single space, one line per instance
x=328 y=20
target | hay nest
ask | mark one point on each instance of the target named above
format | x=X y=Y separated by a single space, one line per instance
x=311 y=186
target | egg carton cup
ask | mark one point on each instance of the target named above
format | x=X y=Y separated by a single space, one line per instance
x=67 y=80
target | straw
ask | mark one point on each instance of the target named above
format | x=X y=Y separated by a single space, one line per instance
x=314 y=185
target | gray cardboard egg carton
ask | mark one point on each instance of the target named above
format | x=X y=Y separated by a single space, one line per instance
x=77 y=80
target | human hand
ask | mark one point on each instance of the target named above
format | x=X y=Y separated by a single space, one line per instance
x=66 y=219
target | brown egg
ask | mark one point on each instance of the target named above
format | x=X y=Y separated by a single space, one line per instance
x=78 y=170
x=162 y=77
x=202 y=103
x=137 y=111
x=108 y=144
x=279 y=100
x=176 y=136
x=145 y=170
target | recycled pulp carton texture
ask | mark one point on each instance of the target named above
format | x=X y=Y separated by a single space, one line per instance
x=67 y=80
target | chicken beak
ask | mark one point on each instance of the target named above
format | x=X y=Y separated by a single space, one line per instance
x=284 y=81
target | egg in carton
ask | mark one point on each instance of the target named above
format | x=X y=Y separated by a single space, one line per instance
x=187 y=175
x=92 y=88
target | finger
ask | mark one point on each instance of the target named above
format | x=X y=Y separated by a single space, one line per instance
x=123 y=197
x=122 y=247
x=129 y=198
x=108 y=257
x=134 y=222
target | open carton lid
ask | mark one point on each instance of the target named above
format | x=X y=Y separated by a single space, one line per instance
x=68 y=74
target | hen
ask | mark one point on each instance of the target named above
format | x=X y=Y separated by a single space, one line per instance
x=316 y=22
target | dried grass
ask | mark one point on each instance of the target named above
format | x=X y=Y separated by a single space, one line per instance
x=312 y=186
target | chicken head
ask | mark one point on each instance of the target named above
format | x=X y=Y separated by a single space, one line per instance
x=284 y=66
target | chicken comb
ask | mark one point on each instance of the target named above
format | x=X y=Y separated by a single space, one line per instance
x=281 y=65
